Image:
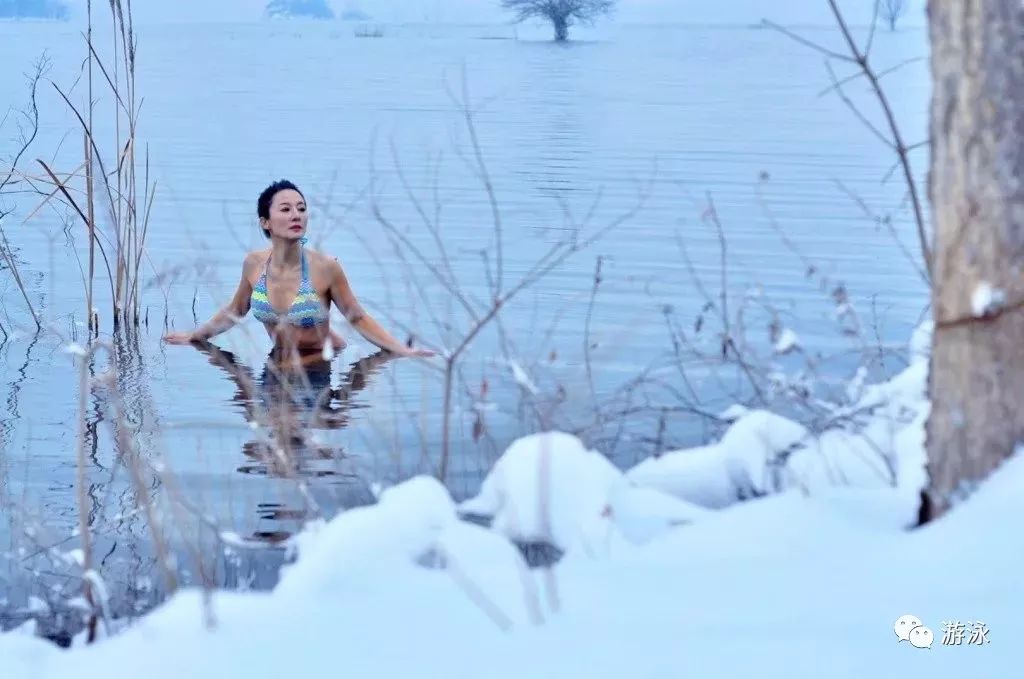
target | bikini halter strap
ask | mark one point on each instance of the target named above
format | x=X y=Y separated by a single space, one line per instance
x=302 y=257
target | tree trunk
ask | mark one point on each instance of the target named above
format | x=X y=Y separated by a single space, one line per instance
x=561 y=24
x=976 y=187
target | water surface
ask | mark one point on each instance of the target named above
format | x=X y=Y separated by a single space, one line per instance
x=658 y=123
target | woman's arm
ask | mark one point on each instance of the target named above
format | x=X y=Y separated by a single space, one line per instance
x=345 y=300
x=224 y=319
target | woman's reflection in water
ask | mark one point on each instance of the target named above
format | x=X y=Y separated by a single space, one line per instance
x=291 y=400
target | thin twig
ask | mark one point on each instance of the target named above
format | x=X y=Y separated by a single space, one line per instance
x=805 y=41
x=871 y=31
x=856 y=111
x=586 y=329
x=895 y=141
x=81 y=214
x=881 y=74
x=888 y=222
x=5 y=250
x=485 y=177
x=901 y=148
x=723 y=265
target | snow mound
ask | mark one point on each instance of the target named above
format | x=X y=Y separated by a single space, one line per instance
x=402 y=528
x=876 y=443
x=549 y=487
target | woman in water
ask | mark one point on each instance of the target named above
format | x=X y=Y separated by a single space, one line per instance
x=301 y=282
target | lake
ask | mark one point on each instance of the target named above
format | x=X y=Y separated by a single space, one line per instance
x=642 y=131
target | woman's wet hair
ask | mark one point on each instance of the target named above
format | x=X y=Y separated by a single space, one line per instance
x=267 y=197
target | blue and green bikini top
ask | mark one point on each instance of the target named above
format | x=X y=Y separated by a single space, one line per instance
x=306 y=310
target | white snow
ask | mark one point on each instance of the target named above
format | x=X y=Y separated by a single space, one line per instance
x=522 y=378
x=985 y=299
x=641 y=514
x=807 y=581
x=875 y=444
x=733 y=412
x=786 y=342
x=547 y=487
x=37 y=605
x=74 y=349
x=75 y=556
x=921 y=341
x=737 y=467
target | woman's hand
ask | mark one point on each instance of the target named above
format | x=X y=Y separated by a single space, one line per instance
x=348 y=305
x=179 y=337
x=410 y=352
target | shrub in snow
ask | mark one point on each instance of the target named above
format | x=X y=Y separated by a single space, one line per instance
x=878 y=442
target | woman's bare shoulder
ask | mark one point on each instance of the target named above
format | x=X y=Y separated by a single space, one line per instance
x=323 y=261
x=255 y=259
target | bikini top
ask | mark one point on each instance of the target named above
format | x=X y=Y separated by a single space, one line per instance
x=306 y=310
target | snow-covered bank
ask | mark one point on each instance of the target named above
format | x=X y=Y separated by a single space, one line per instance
x=794 y=584
x=875 y=443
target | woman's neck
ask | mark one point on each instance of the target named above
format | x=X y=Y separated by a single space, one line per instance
x=285 y=254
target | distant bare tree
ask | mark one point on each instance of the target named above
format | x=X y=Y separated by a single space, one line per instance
x=309 y=9
x=33 y=9
x=892 y=10
x=561 y=13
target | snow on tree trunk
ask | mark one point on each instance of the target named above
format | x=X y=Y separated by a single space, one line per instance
x=976 y=187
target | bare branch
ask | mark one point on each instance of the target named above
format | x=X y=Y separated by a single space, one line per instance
x=804 y=41
x=397 y=233
x=880 y=74
x=856 y=111
x=5 y=250
x=871 y=31
x=63 y=189
x=432 y=226
x=41 y=68
x=488 y=185
x=895 y=140
x=586 y=329
x=723 y=271
x=888 y=223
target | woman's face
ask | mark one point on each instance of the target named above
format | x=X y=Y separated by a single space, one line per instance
x=287 y=215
